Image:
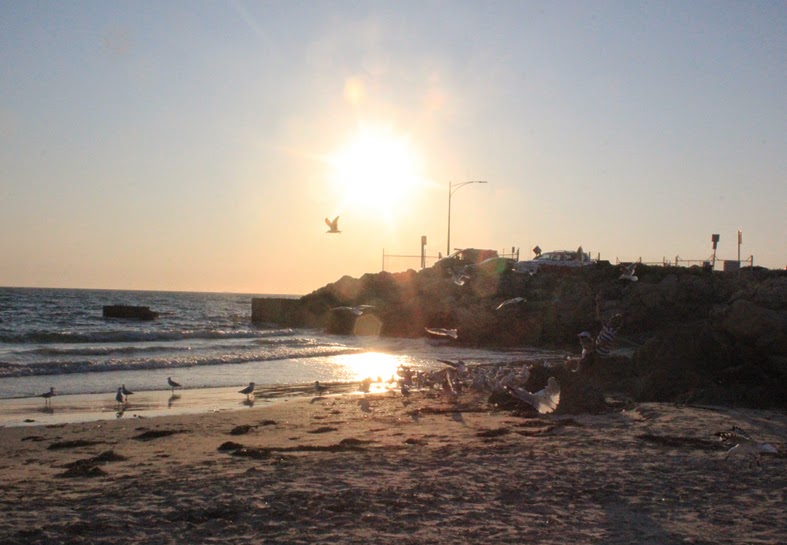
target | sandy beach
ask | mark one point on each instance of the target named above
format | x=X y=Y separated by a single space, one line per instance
x=348 y=468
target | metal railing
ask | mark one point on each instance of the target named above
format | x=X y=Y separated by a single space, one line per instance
x=663 y=263
x=712 y=261
x=422 y=261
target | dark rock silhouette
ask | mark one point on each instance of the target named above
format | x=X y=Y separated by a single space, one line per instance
x=695 y=336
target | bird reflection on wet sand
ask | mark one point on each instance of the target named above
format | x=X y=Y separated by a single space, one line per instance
x=172 y=399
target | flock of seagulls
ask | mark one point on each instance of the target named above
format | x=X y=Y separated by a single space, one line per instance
x=121 y=396
x=458 y=375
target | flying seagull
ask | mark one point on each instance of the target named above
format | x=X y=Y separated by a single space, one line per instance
x=248 y=390
x=449 y=388
x=355 y=310
x=48 y=395
x=743 y=444
x=544 y=401
x=333 y=225
x=461 y=278
x=459 y=365
x=513 y=301
x=172 y=384
x=628 y=273
x=442 y=332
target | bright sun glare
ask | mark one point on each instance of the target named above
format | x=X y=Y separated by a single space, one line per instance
x=369 y=364
x=378 y=171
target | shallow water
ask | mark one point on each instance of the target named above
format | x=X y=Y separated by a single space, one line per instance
x=58 y=338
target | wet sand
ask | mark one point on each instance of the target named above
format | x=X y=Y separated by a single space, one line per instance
x=69 y=409
x=348 y=468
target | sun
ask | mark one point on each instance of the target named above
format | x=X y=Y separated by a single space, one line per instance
x=377 y=171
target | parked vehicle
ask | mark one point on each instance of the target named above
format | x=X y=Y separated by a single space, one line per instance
x=491 y=266
x=458 y=260
x=560 y=259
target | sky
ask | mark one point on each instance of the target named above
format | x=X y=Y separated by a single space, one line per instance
x=199 y=146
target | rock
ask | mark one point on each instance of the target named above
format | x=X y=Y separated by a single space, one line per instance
x=129 y=311
x=748 y=321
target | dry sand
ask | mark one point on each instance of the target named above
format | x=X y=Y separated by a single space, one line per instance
x=414 y=470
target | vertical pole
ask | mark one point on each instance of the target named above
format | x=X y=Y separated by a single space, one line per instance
x=740 y=239
x=448 y=245
x=383 y=259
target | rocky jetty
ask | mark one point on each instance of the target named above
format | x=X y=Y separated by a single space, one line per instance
x=695 y=335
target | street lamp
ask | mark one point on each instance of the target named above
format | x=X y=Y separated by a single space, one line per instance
x=453 y=188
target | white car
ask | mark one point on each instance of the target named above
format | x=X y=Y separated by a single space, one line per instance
x=561 y=259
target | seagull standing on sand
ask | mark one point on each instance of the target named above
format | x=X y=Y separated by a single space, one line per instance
x=333 y=225
x=48 y=396
x=172 y=384
x=628 y=273
x=126 y=391
x=119 y=397
x=743 y=444
x=248 y=390
x=544 y=401
x=319 y=388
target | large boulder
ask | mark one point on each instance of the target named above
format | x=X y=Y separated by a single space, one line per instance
x=748 y=322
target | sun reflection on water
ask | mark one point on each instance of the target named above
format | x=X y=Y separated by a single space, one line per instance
x=369 y=364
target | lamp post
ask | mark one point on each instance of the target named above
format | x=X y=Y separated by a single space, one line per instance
x=453 y=188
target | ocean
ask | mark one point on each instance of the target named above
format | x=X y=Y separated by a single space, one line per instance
x=59 y=338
